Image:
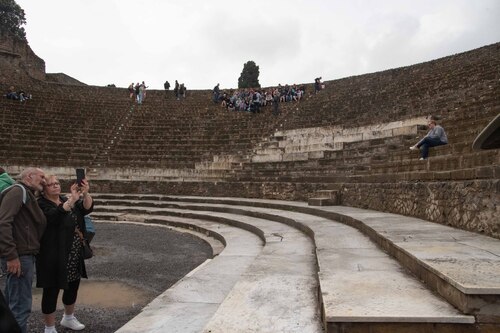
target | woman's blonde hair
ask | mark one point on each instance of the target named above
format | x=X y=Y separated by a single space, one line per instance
x=48 y=176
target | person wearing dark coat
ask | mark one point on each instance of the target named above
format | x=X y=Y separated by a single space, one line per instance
x=60 y=263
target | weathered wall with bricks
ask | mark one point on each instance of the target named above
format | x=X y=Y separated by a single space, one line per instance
x=18 y=62
x=471 y=205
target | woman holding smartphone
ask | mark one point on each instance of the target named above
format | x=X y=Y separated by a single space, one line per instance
x=60 y=263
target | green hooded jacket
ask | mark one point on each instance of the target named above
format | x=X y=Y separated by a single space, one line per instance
x=5 y=181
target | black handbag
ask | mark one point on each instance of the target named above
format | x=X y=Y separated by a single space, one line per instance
x=87 y=250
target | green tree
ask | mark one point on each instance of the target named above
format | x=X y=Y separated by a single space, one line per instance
x=249 y=77
x=11 y=19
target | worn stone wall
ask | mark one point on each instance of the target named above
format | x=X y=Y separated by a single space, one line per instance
x=18 y=62
x=470 y=205
x=284 y=191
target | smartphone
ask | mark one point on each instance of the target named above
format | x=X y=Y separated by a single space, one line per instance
x=80 y=174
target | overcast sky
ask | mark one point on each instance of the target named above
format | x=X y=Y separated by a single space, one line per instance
x=201 y=42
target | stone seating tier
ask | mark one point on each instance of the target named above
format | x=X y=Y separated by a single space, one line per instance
x=352 y=287
x=457 y=83
x=384 y=156
x=462 y=89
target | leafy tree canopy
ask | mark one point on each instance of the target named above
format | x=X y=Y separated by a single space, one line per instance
x=249 y=77
x=11 y=19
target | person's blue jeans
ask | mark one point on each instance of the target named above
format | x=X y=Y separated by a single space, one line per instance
x=427 y=143
x=18 y=290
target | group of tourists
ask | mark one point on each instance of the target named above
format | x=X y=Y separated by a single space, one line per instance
x=179 y=90
x=137 y=92
x=252 y=100
x=40 y=227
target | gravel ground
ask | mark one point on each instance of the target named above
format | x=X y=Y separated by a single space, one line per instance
x=132 y=265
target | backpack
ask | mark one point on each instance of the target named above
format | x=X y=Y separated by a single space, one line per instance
x=5 y=180
x=25 y=195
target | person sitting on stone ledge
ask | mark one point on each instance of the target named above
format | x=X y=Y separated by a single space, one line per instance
x=12 y=94
x=225 y=100
x=435 y=137
x=23 y=96
x=251 y=99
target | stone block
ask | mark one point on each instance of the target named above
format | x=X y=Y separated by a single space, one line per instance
x=370 y=135
x=496 y=169
x=338 y=146
x=267 y=158
x=443 y=175
x=305 y=148
x=325 y=198
x=405 y=130
x=295 y=157
x=348 y=138
x=485 y=172
x=320 y=202
x=267 y=151
x=463 y=174
x=315 y=154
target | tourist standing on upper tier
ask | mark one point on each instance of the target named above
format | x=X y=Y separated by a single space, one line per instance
x=182 y=90
x=142 y=93
x=131 y=90
x=22 y=224
x=176 y=90
x=435 y=137
x=144 y=87
x=216 y=93
x=136 y=90
x=317 y=84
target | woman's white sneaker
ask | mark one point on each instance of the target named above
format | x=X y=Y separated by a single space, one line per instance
x=72 y=323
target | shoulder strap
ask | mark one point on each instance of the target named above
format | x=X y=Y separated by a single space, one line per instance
x=25 y=195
